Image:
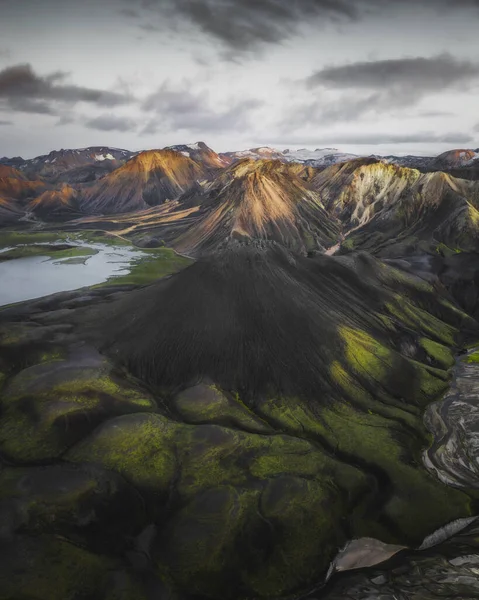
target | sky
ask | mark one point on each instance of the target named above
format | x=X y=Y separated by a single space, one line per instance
x=364 y=76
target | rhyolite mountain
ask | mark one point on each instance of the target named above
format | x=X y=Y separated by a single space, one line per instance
x=262 y=200
x=313 y=158
x=393 y=211
x=202 y=154
x=148 y=179
x=224 y=432
x=362 y=204
x=73 y=166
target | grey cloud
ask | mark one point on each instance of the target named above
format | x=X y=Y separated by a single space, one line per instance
x=374 y=139
x=180 y=108
x=65 y=119
x=2 y=123
x=29 y=105
x=476 y=127
x=23 y=90
x=435 y=113
x=426 y=74
x=111 y=123
x=131 y=13
x=367 y=88
x=245 y=25
x=149 y=27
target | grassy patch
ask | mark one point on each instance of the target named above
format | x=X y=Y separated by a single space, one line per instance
x=16 y=238
x=50 y=251
x=157 y=263
x=472 y=358
x=102 y=237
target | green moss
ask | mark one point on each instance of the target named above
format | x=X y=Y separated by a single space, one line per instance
x=139 y=447
x=441 y=354
x=157 y=263
x=446 y=251
x=49 y=251
x=16 y=238
x=207 y=404
x=379 y=442
x=472 y=358
x=43 y=417
x=102 y=237
x=379 y=403
x=301 y=512
x=50 y=568
x=420 y=320
x=365 y=355
x=54 y=355
x=202 y=550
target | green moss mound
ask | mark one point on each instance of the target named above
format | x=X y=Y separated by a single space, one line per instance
x=48 y=407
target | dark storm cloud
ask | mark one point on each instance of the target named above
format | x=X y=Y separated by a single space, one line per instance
x=178 y=107
x=21 y=89
x=245 y=25
x=111 y=123
x=382 y=86
x=29 y=105
x=426 y=74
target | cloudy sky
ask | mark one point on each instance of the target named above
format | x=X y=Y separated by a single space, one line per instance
x=364 y=76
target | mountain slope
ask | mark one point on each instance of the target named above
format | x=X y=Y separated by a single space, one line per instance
x=146 y=180
x=392 y=210
x=76 y=165
x=314 y=158
x=262 y=200
x=56 y=204
x=330 y=355
x=202 y=154
x=14 y=185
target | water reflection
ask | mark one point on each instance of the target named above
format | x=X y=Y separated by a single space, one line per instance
x=34 y=277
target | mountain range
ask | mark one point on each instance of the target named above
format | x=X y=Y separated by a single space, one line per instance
x=101 y=180
x=289 y=391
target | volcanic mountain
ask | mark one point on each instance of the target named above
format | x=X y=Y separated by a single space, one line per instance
x=76 y=165
x=393 y=210
x=202 y=154
x=223 y=432
x=338 y=356
x=148 y=179
x=315 y=158
x=61 y=203
x=257 y=200
x=14 y=185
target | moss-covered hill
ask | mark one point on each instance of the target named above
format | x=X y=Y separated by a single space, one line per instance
x=223 y=432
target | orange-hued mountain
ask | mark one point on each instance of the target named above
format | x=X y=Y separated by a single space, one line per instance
x=257 y=200
x=56 y=204
x=455 y=158
x=148 y=179
x=202 y=154
x=251 y=200
x=14 y=185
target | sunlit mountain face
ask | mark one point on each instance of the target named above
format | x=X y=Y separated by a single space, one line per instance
x=245 y=368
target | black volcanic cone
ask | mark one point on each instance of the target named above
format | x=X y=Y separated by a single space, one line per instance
x=259 y=319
